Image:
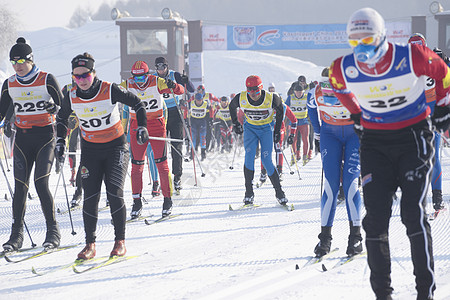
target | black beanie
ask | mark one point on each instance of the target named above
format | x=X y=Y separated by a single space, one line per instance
x=83 y=60
x=161 y=60
x=21 y=50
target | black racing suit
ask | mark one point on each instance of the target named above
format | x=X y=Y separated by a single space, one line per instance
x=106 y=162
x=33 y=147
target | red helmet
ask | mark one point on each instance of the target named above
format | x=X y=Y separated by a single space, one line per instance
x=253 y=81
x=139 y=68
x=417 y=38
x=201 y=87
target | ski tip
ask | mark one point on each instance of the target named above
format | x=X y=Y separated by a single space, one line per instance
x=297 y=267
x=324 y=268
x=229 y=207
x=58 y=210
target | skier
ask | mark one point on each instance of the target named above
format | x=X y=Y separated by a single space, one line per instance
x=258 y=106
x=337 y=140
x=35 y=96
x=200 y=116
x=223 y=118
x=174 y=119
x=430 y=93
x=150 y=89
x=104 y=152
x=213 y=102
x=297 y=103
x=382 y=85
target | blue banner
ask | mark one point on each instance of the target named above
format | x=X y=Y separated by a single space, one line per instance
x=287 y=37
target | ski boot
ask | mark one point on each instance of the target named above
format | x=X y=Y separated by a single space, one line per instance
x=324 y=245
x=167 y=207
x=248 y=200
x=437 y=200
x=305 y=159
x=52 y=237
x=88 y=252
x=15 y=240
x=156 y=190
x=275 y=179
x=136 y=210
x=280 y=172
x=119 y=248
x=203 y=154
x=76 y=199
x=354 y=241
x=263 y=176
x=281 y=198
x=177 y=183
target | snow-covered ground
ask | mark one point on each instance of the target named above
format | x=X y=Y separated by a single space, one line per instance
x=210 y=252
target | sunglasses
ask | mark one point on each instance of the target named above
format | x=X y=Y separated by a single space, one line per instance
x=252 y=88
x=365 y=40
x=19 y=61
x=140 y=78
x=161 y=66
x=81 y=76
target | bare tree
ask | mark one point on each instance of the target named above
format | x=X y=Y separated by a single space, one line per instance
x=8 y=23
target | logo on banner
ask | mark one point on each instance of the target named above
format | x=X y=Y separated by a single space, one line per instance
x=266 y=38
x=244 y=36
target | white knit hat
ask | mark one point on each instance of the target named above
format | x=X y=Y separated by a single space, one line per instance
x=366 y=20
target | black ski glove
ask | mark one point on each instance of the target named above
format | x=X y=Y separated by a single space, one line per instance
x=237 y=127
x=184 y=79
x=141 y=135
x=441 y=118
x=60 y=148
x=171 y=84
x=50 y=107
x=290 y=139
x=356 y=118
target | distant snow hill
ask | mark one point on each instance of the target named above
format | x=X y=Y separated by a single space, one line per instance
x=224 y=71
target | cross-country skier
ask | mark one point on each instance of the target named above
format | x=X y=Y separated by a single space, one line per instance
x=104 y=152
x=35 y=96
x=339 y=145
x=258 y=106
x=150 y=89
x=430 y=94
x=174 y=119
x=382 y=85
x=297 y=103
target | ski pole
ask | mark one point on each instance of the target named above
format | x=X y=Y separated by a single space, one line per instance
x=295 y=160
x=287 y=162
x=234 y=155
x=189 y=136
x=11 y=193
x=67 y=197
